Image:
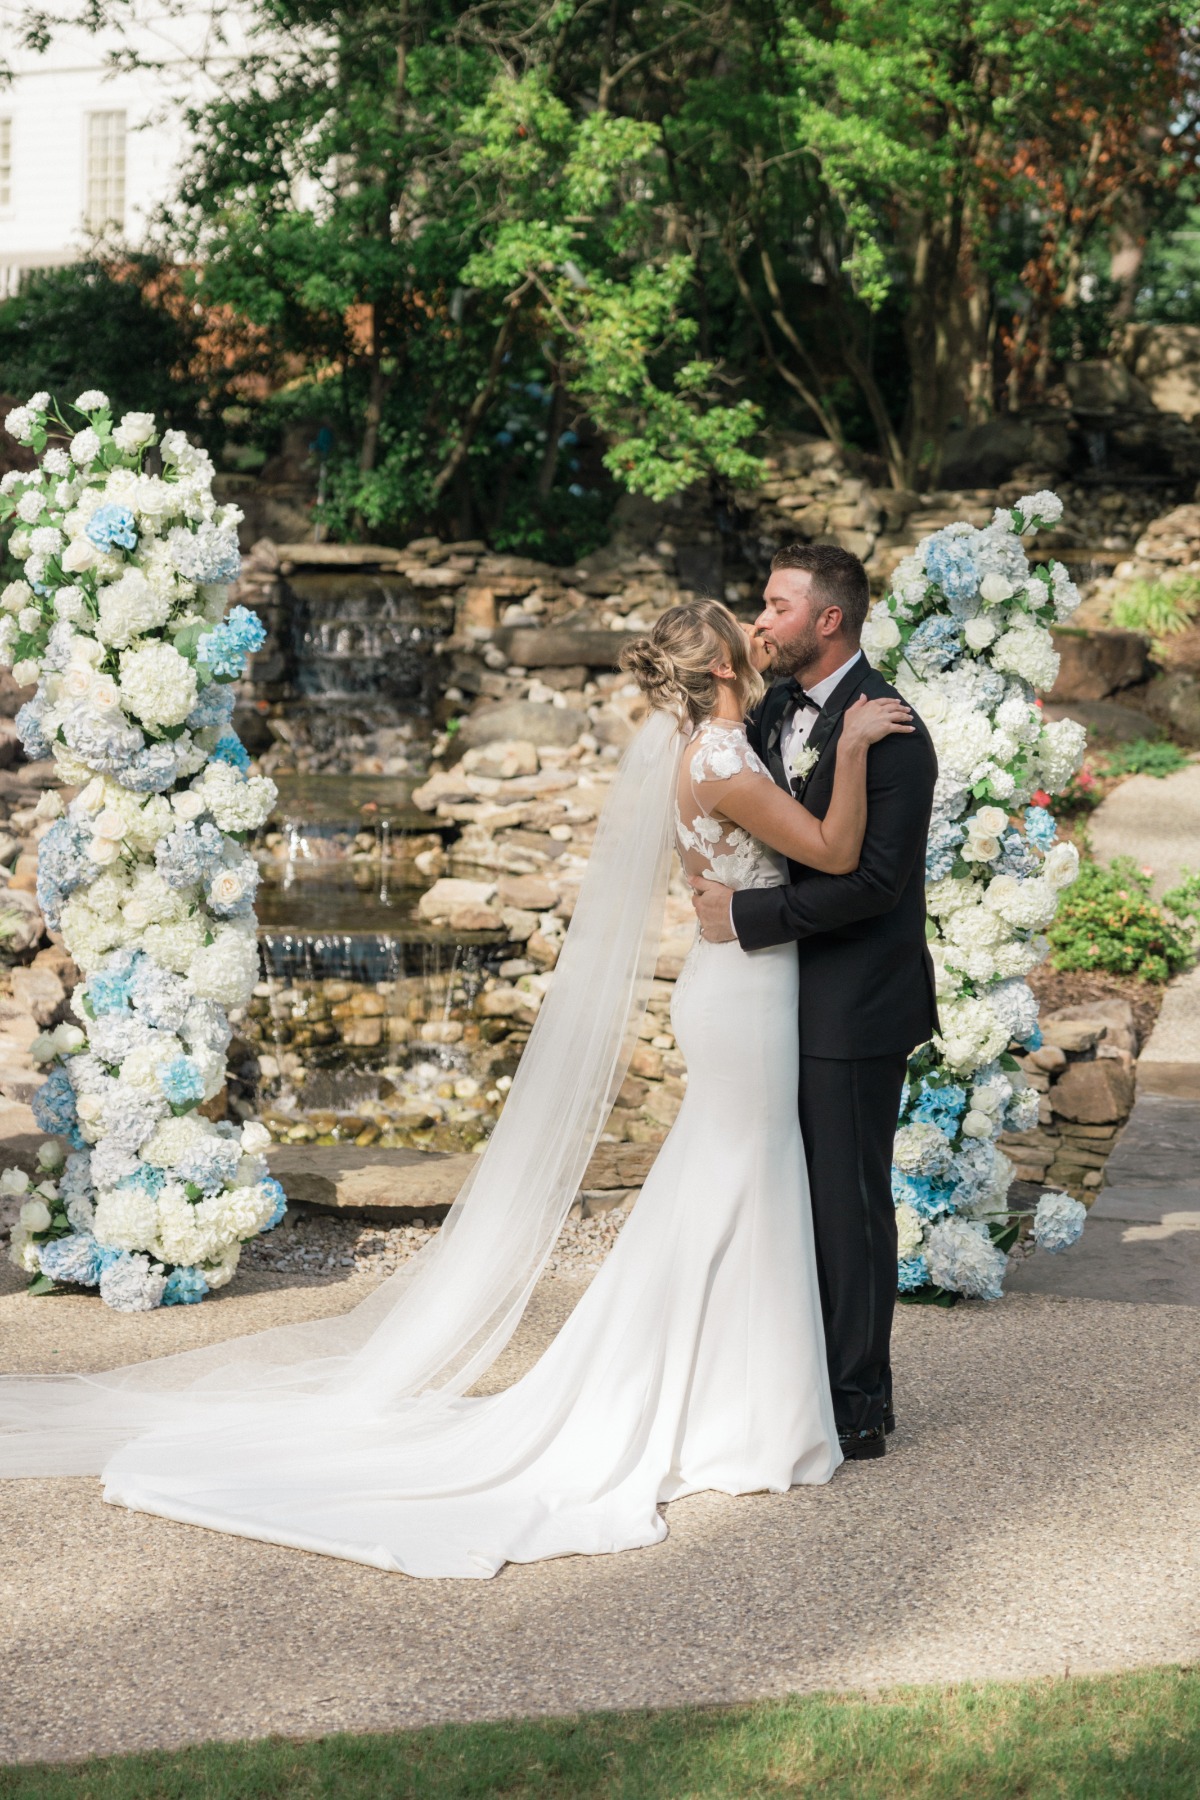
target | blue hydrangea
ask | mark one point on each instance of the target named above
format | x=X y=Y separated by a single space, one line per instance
x=273 y=1187
x=1041 y=828
x=1016 y=856
x=927 y=1197
x=940 y=1106
x=151 y=771
x=150 y=1179
x=77 y=1258
x=186 y=855
x=1035 y=1040
x=161 y=997
x=1058 y=1222
x=933 y=645
x=231 y=749
x=63 y=866
x=113 y=527
x=212 y=1165
x=34 y=742
x=75 y=1182
x=185 y=1287
x=110 y=989
x=945 y=838
x=949 y=562
x=181 y=1081
x=912 y=1273
x=54 y=1104
x=208 y=555
x=970 y=1173
x=226 y=648
x=105 y=741
x=214 y=708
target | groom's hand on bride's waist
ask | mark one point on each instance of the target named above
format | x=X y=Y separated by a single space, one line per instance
x=714 y=909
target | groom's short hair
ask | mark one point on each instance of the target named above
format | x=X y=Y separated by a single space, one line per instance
x=838 y=579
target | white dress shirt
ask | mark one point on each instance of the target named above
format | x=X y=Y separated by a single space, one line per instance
x=799 y=727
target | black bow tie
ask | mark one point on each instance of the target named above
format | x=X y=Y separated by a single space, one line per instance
x=800 y=698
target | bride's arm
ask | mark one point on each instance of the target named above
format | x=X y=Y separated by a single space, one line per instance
x=831 y=844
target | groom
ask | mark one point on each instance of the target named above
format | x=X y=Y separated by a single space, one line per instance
x=866 y=978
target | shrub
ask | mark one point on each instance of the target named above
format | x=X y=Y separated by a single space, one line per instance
x=1109 y=921
x=1160 y=609
x=1146 y=756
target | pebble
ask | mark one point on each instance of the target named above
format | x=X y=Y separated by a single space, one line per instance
x=312 y=1244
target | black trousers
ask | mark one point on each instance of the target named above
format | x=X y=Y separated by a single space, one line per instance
x=848 y=1113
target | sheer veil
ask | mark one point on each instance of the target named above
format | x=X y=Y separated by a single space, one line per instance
x=430 y=1331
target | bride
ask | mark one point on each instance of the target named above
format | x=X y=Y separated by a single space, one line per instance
x=694 y=1360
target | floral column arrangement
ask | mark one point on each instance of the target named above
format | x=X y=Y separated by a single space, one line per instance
x=964 y=634
x=120 y=621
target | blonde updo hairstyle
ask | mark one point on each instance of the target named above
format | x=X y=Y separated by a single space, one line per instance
x=673 y=663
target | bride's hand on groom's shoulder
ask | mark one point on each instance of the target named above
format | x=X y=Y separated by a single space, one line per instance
x=867 y=721
x=714 y=909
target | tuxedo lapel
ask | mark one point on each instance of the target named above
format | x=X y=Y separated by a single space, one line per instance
x=824 y=733
x=773 y=719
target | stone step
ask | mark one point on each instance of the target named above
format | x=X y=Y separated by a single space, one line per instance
x=1156 y=822
x=1170 y=1063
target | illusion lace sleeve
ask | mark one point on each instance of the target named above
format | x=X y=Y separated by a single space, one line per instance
x=709 y=845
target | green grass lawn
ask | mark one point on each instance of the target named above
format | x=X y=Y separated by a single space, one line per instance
x=1134 y=1735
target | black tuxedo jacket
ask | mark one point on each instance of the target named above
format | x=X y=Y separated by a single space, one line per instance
x=866 y=977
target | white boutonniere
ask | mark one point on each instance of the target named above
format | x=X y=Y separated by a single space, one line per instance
x=802 y=762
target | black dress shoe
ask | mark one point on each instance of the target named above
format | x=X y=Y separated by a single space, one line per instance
x=861 y=1446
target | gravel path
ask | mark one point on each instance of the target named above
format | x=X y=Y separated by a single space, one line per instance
x=1039 y=1511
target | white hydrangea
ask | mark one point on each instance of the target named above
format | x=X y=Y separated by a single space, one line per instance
x=1028 y=651
x=85 y=448
x=1044 y=508
x=227 y=969
x=158 y=685
x=1060 y=749
x=236 y=802
x=970 y=1034
x=128 y=608
x=963 y=1259
x=126 y=1219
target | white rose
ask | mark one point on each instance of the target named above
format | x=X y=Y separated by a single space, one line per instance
x=16 y=596
x=105 y=850
x=13 y=1181
x=255 y=1137
x=75 y=682
x=89 y=1107
x=995 y=589
x=106 y=695
x=25 y=673
x=35 y=1215
x=989 y=821
x=976 y=1125
x=50 y=805
x=91 y=799
x=227 y=888
x=135 y=429
x=109 y=823
x=980 y=849
x=980 y=632
x=187 y=804
x=42 y=1048
x=67 y=1039
x=51 y=1156
x=79 y=554
x=1061 y=866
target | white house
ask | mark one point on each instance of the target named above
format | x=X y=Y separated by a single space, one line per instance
x=87 y=152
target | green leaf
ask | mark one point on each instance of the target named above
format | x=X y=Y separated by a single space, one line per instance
x=41 y=1284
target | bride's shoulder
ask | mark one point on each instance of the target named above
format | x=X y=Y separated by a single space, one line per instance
x=720 y=749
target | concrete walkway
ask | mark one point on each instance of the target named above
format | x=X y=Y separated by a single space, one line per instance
x=1039 y=1511
x=1154 y=820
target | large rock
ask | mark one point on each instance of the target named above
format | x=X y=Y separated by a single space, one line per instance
x=1173 y=538
x=1094 y=1093
x=526 y=720
x=560 y=646
x=449 y=897
x=1105 y=386
x=1166 y=360
x=1094 y=664
x=39 y=991
x=21 y=922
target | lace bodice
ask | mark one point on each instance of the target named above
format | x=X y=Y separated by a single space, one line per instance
x=709 y=845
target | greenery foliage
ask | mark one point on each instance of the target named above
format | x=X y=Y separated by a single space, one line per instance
x=1160 y=609
x=1146 y=756
x=1107 y=1737
x=1109 y=921
x=516 y=259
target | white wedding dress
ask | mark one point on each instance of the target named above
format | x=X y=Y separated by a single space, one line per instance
x=695 y=1359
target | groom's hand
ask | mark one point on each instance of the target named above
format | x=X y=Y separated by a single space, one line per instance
x=714 y=909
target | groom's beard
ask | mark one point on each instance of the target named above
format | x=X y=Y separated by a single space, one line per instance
x=796 y=656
